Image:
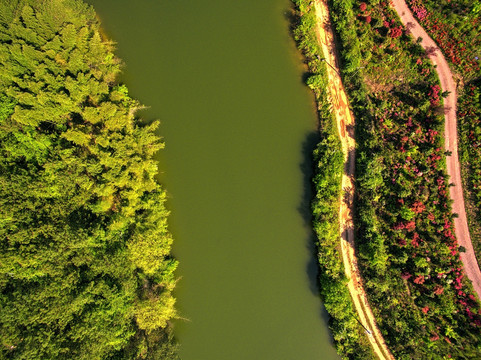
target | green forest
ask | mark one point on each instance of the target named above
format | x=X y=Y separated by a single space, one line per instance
x=85 y=265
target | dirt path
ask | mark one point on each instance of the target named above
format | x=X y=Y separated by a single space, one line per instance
x=345 y=122
x=451 y=141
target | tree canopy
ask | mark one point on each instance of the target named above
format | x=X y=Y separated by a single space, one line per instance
x=85 y=271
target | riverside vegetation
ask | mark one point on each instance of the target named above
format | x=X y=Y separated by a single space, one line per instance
x=348 y=335
x=85 y=265
x=456 y=28
x=407 y=251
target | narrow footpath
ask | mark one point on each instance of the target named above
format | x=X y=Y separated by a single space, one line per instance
x=345 y=125
x=451 y=141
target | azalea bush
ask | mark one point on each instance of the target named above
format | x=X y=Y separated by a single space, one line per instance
x=456 y=28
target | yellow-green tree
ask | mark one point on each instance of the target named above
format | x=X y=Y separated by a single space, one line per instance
x=85 y=270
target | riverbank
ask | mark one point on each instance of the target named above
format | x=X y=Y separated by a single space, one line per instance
x=333 y=202
x=345 y=125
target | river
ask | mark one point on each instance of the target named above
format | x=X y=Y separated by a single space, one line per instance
x=225 y=80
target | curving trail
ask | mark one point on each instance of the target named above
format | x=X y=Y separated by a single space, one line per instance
x=345 y=125
x=451 y=141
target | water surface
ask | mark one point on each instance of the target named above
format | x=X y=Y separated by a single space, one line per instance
x=225 y=80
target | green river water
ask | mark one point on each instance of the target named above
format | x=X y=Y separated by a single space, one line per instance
x=225 y=80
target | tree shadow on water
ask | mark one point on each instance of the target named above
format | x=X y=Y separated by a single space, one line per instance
x=293 y=20
x=307 y=168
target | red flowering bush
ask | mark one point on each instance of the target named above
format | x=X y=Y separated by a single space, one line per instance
x=434 y=95
x=420 y=12
x=396 y=32
x=418 y=207
x=419 y=279
x=461 y=47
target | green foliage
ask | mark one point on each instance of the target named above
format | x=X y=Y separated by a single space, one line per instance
x=152 y=314
x=349 y=337
x=469 y=120
x=407 y=251
x=85 y=270
x=7 y=107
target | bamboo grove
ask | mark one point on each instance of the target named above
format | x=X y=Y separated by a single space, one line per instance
x=85 y=265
